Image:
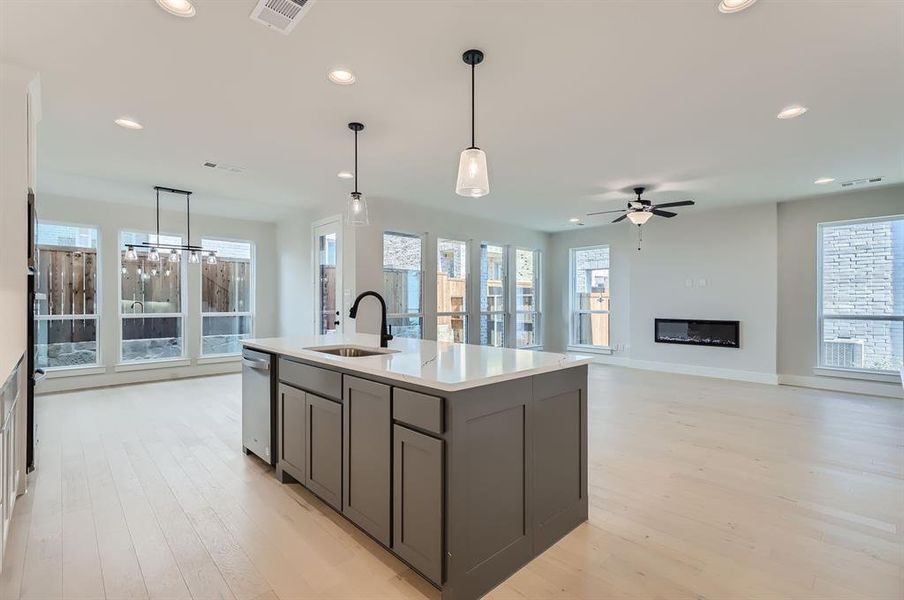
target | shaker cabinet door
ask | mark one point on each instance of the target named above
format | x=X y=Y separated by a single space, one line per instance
x=292 y=431
x=368 y=429
x=418 y=501
x=323 y=474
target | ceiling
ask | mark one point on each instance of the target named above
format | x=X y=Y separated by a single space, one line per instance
x=576 y=101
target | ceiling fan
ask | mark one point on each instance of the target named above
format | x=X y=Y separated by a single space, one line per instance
x=640 y=211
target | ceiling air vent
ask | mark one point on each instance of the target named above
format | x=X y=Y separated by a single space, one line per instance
x=281 y=15
x=862 y=181
x=223 y=167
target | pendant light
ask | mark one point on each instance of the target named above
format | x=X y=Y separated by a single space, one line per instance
x=356 y=208
x=473 y=179
x=175 y=250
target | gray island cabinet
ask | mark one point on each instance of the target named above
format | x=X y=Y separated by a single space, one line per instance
x=464 y=461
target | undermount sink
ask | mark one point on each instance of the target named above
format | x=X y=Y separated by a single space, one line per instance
x=351 y=351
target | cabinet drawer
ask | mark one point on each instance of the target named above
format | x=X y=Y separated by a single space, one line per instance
x=313 y=379
x=418 y=410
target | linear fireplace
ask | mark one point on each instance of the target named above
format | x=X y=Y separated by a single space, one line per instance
x=697 y=332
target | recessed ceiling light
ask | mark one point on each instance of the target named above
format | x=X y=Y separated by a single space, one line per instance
x=824 y=180
x=345 y=175
x=733 y=6
x=791 y=112
x=128 y=123
x=180 y=8
x=342 y=76
x=574 y=220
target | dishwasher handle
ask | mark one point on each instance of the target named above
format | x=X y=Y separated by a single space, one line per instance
x=263 y=365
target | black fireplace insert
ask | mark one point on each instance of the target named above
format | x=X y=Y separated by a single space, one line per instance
x=697 y=332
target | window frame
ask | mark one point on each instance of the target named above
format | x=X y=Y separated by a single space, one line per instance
x=506 y=292
x=183 y=303
x=98 y=299
x=252 y=296
x=422 y=315
x=538 y=300
x=821 y=368
x=572 y=273
x=465 y=312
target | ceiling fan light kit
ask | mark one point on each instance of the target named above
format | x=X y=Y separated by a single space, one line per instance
x=639 y=210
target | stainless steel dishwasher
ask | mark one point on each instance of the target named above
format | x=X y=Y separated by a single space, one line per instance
x=258 y=406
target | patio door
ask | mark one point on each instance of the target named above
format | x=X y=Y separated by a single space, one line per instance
x=328 y=311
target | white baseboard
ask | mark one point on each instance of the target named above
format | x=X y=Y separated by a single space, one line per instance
x=840 y=384
x=86 y=382
x=666 y=367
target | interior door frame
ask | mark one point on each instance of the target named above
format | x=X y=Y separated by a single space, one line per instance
x=332 y=224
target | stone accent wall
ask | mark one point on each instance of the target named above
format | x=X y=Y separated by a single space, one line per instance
x=862 y=267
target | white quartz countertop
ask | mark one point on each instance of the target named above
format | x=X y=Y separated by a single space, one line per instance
x=438 y=365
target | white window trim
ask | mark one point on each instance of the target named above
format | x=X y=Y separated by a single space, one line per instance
x=507 y=334
x=466 y=313
x=571 y=309
x=252 y=294
x=828 y=371
x=422 y=315
x=125 y=365
x=98 y=300
x=338 y=222
x=538 y=308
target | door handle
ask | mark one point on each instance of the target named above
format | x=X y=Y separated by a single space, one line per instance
x=263 y=365
x=38 y=375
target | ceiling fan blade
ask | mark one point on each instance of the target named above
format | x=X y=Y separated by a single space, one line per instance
x=621 y=218
x=670 y=204
x=604 y=212
x=663 y=213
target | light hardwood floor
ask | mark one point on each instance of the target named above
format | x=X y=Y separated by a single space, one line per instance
x=699 y=489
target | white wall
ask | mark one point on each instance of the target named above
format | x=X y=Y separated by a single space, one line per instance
x=729 y=258
x=111 y=218
x=363 y=257
x=16 y=175
x=797 y=243
x=296 y=284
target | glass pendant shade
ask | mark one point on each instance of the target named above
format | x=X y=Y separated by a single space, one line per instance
x=211 y=258
x=174 y=256
x=130 y=255
x=153 y=255
x=473 y=180
x=194 y=257
x=356 y=210
x=640 y=217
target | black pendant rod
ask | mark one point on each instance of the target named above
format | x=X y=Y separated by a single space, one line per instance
x=158 y=215
x=356 y=127
x=187 y=245
x=472 y=57
x=473 y=145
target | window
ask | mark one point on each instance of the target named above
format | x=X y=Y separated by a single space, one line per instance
x=590 y=296
x=861 y=295
x=527 y=298
x=151 y=306
x=226 y=297
x=66 y=306
x=451 y=291
x=402 y=277
x=492 y=294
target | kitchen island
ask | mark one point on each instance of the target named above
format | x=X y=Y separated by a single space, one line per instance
x=464 y=461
